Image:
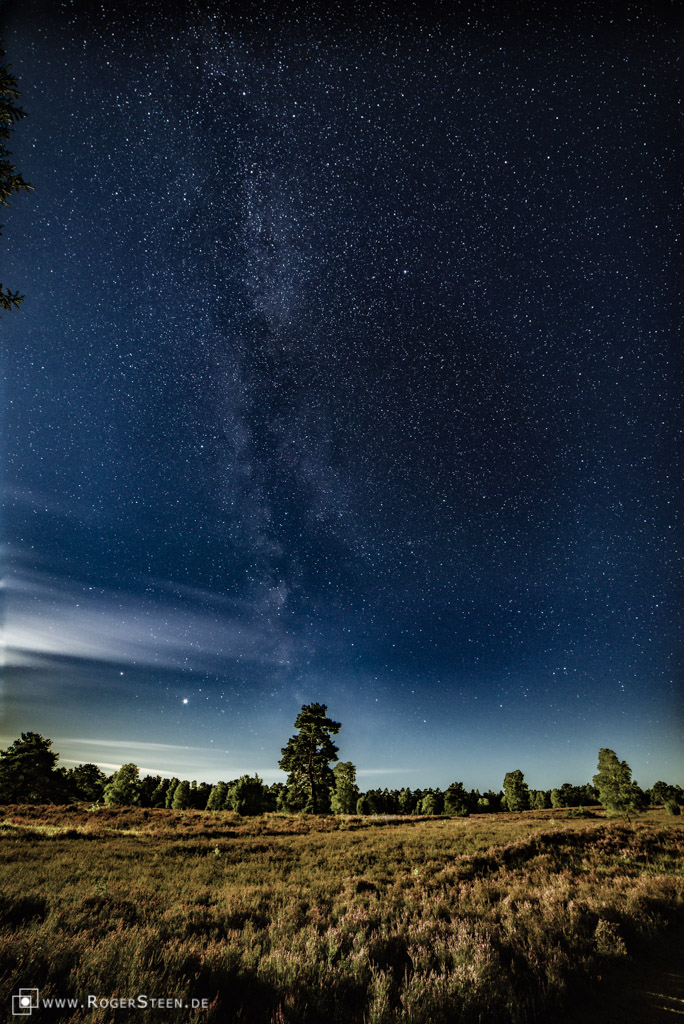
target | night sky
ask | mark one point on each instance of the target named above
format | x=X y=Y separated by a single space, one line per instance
x=345 y=373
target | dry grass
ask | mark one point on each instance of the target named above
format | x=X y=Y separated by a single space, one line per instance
x=363 y=921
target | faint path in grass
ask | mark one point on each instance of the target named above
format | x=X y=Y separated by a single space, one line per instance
x=645 y=991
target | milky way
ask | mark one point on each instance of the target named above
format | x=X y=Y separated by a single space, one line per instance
x=344 y=373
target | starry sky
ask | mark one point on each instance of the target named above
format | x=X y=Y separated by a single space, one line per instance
x=345 y=373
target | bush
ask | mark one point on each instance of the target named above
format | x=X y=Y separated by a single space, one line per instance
x=246 y=796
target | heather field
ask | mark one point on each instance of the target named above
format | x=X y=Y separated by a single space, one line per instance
x=285 y=919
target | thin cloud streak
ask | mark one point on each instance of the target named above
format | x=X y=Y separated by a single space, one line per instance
x=123 y=744
x=47 y=617
x=110 y=766
x=207 y=772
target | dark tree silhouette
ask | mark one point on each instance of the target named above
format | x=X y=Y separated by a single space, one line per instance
x=10 y=181
x=27 y=771
x=307 y=756
x=86 y=782
x=246 y=795
x=456 y=800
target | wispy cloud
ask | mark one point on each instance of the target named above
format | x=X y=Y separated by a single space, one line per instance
x=122 y=744
x=48 y=618
x=113 y=766
x=209 y=773
x=206 y=764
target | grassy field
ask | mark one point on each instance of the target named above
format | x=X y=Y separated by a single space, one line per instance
x=277 y=919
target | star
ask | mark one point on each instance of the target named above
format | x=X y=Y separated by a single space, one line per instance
x=417 y=420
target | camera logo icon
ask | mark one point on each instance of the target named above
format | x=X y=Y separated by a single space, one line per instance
x=25 y=1002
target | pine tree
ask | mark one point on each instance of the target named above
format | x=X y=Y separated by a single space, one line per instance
x=158 y=797
x=200 y=796
x=456 y=800
x=217 y=797
x=307 y=756
x=27 y=771
x=168 y=800
x=406 y=803
x=148 y=787
x=182 y=798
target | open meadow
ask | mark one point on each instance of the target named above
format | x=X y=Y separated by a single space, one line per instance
x=285 y=919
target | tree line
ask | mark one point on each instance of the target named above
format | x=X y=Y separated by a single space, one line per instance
x=315 y=784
